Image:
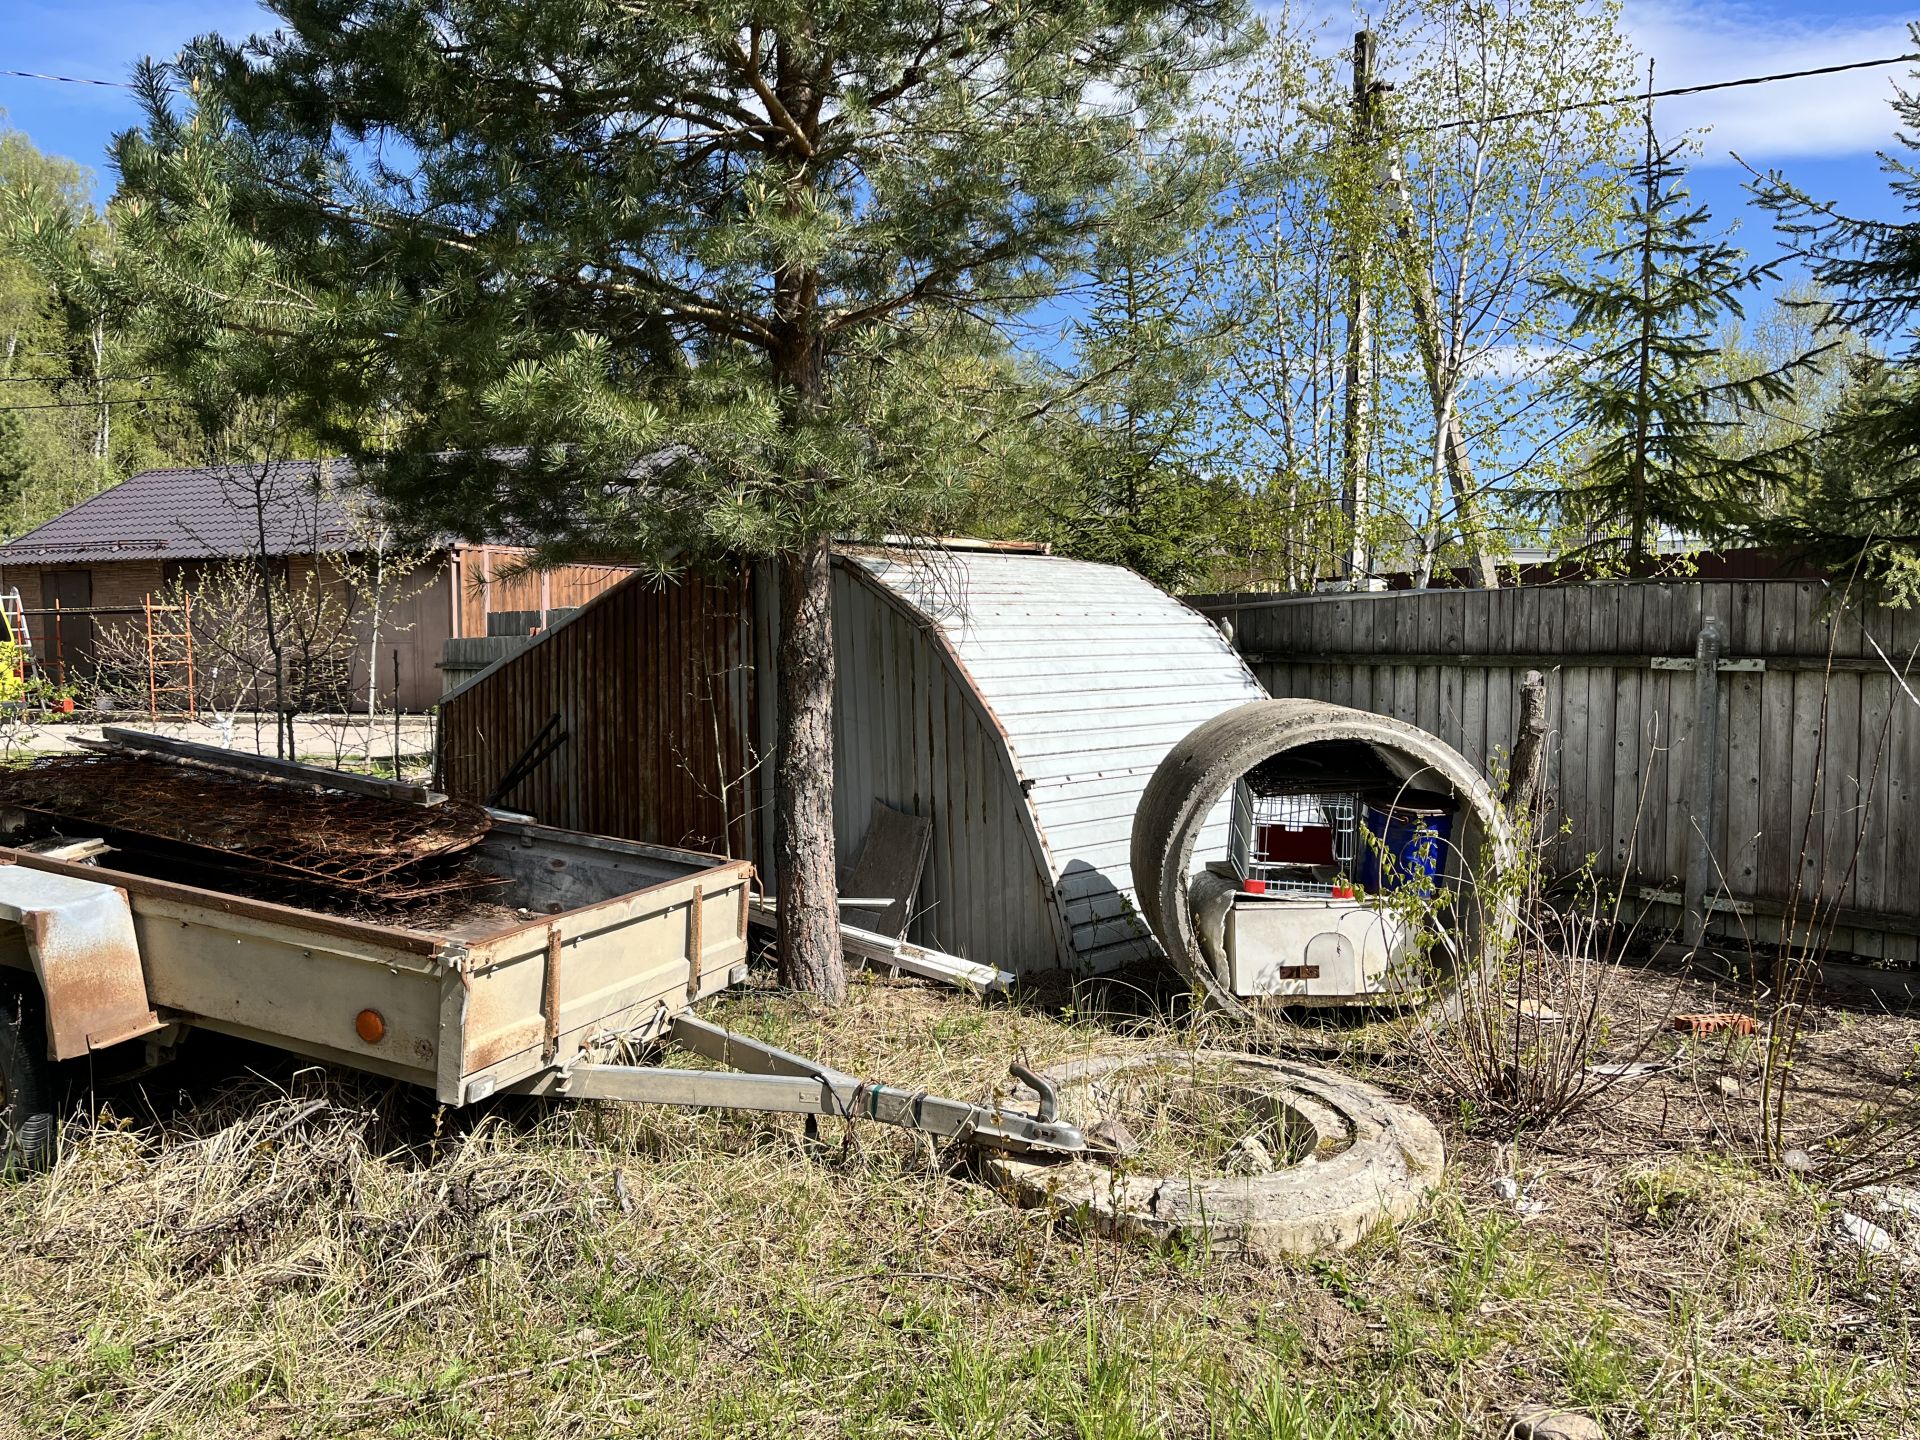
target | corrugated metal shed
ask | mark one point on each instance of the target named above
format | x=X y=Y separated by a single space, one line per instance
x=1090 y=676
x=1020 y=702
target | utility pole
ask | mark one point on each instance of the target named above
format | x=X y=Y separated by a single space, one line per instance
x=1358 y=417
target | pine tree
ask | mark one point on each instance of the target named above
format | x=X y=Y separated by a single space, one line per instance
x=712 y=269
x=1858 y=508
x=1650 y=395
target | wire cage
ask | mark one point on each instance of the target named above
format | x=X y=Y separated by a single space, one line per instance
x=1294 y=844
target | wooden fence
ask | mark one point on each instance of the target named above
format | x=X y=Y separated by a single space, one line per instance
x=1793 y=728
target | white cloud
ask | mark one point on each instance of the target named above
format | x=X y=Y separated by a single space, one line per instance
x=1699 y=41
x=1524 y=360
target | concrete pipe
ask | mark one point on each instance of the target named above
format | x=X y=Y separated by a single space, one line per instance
x=1198 y=771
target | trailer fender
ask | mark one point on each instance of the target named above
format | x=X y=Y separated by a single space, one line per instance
x=79 y=935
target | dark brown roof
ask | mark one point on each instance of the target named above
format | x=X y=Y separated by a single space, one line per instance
x=197 y=514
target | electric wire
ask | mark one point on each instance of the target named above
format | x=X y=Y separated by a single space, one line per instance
x=66 y=79
x=1641 y=97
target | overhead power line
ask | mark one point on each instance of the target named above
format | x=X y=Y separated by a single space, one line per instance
x=66 y=79
x=1640 y=97
x=1636 y=98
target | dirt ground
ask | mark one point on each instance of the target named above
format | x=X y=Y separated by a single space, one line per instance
x=242 y=1246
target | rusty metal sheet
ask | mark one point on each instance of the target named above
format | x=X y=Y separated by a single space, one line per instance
x=652 y=687
x=80 y=937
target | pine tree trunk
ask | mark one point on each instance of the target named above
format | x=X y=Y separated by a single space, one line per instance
x=803 y=778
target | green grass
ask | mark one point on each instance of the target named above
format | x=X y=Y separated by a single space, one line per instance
x=358 y=1271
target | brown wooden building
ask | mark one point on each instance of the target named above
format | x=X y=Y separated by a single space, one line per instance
x=100 y=563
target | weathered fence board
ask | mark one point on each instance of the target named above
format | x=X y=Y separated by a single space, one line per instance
x=1814 y=743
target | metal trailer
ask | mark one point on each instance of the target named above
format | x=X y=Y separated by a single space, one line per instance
x=609 y=944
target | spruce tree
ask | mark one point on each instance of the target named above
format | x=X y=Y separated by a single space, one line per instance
x=1649 y=393
x=1858 y=507
x=711 y=270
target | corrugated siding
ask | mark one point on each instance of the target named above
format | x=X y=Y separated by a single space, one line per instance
x=653 y=687
x=909 y=732
x=1092 y=675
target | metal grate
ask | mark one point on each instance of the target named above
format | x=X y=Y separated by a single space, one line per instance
x=1298 y=844
x=296 y=838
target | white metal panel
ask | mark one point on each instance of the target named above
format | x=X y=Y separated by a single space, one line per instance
x=1092 y=675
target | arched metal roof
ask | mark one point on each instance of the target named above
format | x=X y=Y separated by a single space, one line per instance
x=1092 y=675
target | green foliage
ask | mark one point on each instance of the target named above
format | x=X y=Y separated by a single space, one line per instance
x=1857 y=505
x=1858 y=508
x=1656 y=407
x=76 y=414
x=1126 y=478
x=1446 y=230
x=726 y=278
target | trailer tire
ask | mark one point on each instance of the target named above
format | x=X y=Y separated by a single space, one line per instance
x=27 y=1127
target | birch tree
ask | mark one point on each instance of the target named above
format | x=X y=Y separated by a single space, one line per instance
x=1496 y=186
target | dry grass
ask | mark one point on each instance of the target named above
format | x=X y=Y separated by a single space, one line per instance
x=306 y=1254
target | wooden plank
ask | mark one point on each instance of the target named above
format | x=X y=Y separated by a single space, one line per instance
x=245 y=764
x=1473 y=695
x=1502 y=689
x=1597 y=763
x=889 y=863
x=1841 y=791
x=1739 y=857
x=1406 y=624
x=1803 y=822
x=1872 y=890
x=1453 y=619
x=1340 y=639
x=1660 y=727
x=1452 y=722
x=1622 y=853
x=1719 y=871
x=1575 y=773
x=1426 y=698
x=1746 y=619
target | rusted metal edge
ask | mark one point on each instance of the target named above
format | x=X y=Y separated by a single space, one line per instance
x=694 y=940
x=267 y=765
x=416 y=942
x=550 y=996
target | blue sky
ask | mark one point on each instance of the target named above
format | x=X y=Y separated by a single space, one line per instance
x=1823 y=132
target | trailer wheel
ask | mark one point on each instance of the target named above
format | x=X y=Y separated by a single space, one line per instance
x=26 y=1095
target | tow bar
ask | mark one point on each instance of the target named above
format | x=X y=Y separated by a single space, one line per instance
x=779 y=1082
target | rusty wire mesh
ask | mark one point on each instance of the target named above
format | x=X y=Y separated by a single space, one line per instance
x=369 y=849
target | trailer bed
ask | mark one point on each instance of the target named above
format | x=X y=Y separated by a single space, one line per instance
x=590 y=936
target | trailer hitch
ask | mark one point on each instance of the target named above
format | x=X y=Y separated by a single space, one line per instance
x=765 y=1078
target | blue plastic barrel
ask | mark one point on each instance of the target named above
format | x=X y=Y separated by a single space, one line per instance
x=1412 y=840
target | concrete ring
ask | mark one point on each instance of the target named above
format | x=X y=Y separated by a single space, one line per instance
x=1367 y=1159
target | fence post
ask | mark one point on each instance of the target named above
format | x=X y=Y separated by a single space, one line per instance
x=1706 y=766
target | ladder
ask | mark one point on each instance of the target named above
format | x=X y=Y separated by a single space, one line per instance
x=170 y=648
x=13 y=613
